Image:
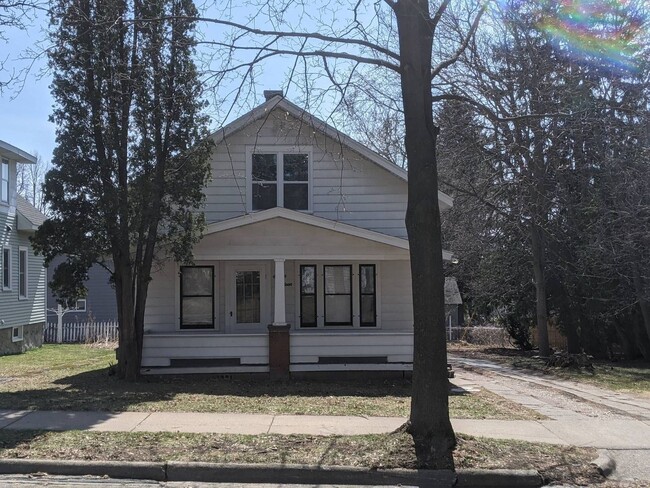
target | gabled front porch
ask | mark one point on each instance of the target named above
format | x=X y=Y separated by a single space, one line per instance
x=321 y=295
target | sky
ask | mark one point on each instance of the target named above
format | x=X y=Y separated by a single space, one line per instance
x=25 y=109
x=24 y=112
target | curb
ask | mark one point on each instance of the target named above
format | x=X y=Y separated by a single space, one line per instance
x=497 y=478
x=112 y=469
x=305 y=474
x=604 y=463
x=275 y=473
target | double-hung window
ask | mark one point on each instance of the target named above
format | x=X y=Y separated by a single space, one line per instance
x=308 y=309
x=197 y=297
x=4 y=181
x=280 y=179
x=338 y=294
x=6 y=268
x=367 y=296
x=23 y=275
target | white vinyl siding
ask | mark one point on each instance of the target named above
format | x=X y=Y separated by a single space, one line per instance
x=17 y=312
x=345 y=186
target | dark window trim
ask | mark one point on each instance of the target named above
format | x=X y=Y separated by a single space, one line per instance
x=315 y=295
x=196 y=326
x=23 y=274
x=325 y=294
x=373 y=294
x=279 y=178
x=6 y=268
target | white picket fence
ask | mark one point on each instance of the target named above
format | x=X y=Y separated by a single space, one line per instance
x=75 y=332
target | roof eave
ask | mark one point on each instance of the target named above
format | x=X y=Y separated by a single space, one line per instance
x=12 y=152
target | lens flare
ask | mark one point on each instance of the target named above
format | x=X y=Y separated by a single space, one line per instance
x=601 y=31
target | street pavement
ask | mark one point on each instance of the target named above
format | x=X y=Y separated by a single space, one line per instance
x=27 y=481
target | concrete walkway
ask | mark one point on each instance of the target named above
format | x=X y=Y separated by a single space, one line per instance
x=605 y=434
x=581 y=414
x=533 y=389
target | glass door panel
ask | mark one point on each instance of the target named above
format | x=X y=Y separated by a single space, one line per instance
x=248 y=298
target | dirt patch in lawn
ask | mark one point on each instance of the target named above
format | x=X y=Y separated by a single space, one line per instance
x=555 y=463
x=625 y=376
x=75 y=377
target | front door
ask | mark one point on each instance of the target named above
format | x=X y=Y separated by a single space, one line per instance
x=248 y=301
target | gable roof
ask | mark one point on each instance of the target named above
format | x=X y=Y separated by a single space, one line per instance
x=12 y=152
x=309 y=219
x=29 y=217
x=279 y=102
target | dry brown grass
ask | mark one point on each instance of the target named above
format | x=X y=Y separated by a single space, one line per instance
x=555 y=463
x=75 y=377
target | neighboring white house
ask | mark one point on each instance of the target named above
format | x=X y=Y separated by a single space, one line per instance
x=22 y=276
x=304 y=265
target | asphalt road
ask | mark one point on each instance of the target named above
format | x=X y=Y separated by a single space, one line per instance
x=25 y=481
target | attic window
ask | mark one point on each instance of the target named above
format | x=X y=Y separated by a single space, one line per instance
x=280 y=179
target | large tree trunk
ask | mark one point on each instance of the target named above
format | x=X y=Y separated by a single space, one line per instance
x=128 y=362
x=630 y=351
x=642 y=298
x=537 y=241
x=429 y=421
x=569 y=323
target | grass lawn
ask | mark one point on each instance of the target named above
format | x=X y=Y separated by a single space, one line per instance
x=75 y=377
x=626 y=376
x=555 y=463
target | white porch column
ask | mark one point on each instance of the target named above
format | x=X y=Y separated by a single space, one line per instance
x=279 y=314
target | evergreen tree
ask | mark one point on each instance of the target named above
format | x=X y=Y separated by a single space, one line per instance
x=131 y=158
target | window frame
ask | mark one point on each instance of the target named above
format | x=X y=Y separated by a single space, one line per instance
x=301 y=324
x=23 y=294
x=372 y=324
x=326 y=323
x=8 y=263
x=77 y=307
x=17 y=337
x=279 y=152
x=183 y=326
x=4 y=198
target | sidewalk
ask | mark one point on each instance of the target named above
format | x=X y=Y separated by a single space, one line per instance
x=599 y=433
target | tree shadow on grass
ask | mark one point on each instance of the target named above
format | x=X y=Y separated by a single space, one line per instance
x=97 y=390
x=12 y=442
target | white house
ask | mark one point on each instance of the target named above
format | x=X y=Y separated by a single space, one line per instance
x=304 y=265
x=22 y=276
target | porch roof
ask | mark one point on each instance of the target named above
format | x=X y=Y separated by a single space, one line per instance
x=314 y=221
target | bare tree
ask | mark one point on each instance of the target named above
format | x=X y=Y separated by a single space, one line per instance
x=29 y=182
x=15 y=15
x=409 y=43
